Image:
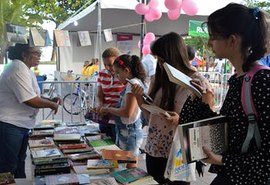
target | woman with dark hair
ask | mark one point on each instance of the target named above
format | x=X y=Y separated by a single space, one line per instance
x=19 y=102
x=169 y=48
x=239 y=34
x=128 y=126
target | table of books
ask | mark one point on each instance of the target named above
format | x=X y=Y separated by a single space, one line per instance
x=77 y=153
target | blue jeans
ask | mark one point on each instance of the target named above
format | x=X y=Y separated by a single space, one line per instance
x=129 y=137
x=13 y=144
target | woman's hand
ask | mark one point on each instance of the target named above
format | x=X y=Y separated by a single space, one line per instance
x=212 y=157
x=104 y=110
x=172 y=117
x=207 y=94
x=137 y=90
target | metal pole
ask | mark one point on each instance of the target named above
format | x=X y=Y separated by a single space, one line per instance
x=142 y=32
x=99 y=34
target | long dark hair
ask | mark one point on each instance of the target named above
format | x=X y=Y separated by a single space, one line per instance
x=169 y=48
x=133 y=63
x=17 y=51
x=248 y=23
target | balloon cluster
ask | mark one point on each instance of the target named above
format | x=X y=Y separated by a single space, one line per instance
x=150 y=11
x=148 y=38
x=174 y=8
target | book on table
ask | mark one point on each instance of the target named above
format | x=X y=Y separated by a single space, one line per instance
x=180 y=78
x=101 y=163
x=42 y=133
x=121 y=156
x=211 y=132
x=82 y=169
x=72 y=146
x=77 y=150
x=134 y=176
x=62 y=179
x=101 y=142
x=45 y=152
x=35 y=143
x=83 y=156
x=104 y=181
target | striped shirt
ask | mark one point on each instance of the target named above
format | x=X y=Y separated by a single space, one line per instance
x=111 y=87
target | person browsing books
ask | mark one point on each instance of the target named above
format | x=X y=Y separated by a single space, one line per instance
x=129 y=133
x=169 y=48
x=239 y=33
x=109 y=88
x=19 y=102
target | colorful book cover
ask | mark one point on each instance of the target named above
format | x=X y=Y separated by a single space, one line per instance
x=104 y=181
x=83 y=156
x=77 y=150
x=45 y=152
x=101 y=163
x=35 y=143
x=129 y=175
x=101 y=142
x=120 y=155
x=38 y=133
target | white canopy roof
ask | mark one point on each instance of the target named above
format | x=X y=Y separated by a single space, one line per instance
x=119 y=15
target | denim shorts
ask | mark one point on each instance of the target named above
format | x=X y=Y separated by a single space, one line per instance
x=129 y=136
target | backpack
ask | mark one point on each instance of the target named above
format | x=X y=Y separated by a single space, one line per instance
x=249 y=108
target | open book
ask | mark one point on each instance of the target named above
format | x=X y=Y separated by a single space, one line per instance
x=211 y=132
x=180 y=78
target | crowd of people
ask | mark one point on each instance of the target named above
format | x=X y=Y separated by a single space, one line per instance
x=236 y=32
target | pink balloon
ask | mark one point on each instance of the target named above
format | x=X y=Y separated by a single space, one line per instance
x=155 y=13
x=146 y=50
x=174 y=14
x=190 y=7
x=153 y=4
x=173 y=4
x=148 y=17
x=148 y=38
x=141 y=9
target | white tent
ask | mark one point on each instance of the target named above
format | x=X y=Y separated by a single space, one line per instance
x=119 y=15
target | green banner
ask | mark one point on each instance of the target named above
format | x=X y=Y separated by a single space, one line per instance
x=196 y=29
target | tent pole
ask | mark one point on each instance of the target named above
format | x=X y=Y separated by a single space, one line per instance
x=99 y=34
x=142 y=32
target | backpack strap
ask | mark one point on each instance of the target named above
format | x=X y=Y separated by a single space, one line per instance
x=249 y=108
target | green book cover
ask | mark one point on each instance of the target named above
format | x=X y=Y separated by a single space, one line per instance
x=101 y=142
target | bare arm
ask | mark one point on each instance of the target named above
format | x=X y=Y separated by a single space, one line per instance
x=38 y=102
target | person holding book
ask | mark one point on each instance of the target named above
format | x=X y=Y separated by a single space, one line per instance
x=240 y=34
x=129 y=133
x=169 y=48
x=19 y=102
x=109 y=88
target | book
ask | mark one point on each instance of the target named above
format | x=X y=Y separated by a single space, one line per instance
x=72 y=146
x=53 y=160
x=101 y=163
x=99 y=149
x=45 y=152
x=50 y=169
x=121 y=156
x=101 y=142
x=83 y=156
x=82 y=169
x=67 y=137
x=77 y=150
x=104 y=181
x=35 y=38
x=180 y=78
x=66 y=130
x=84 y=38
x=153 y=109
x=211 y=132
x=7 y=179
x=62 y=179
x=35 y=143
x=62 y=38
x=129 y=176
x=42 y=133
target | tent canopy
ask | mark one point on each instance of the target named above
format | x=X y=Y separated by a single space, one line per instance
x=119 y=15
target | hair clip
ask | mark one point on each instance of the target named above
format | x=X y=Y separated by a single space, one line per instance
x=255 y=12
x=121 y=62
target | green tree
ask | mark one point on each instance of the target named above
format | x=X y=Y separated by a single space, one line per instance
x=265 y=5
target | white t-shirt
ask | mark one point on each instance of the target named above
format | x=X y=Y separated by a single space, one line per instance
x=18 y=84
x=149 y=64
x=137 y=113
